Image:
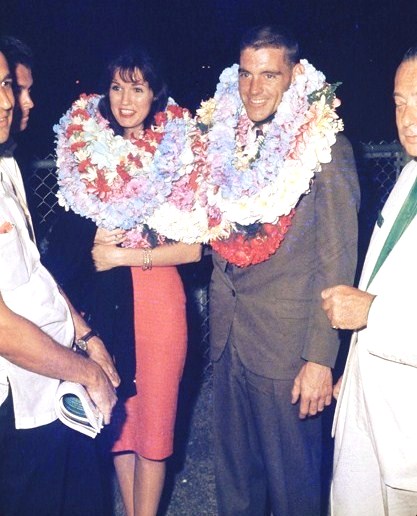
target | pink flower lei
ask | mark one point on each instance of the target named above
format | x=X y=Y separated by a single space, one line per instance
x=251 y=200
x=118 y=182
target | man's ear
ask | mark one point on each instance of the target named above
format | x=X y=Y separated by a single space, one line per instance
x=297 y=70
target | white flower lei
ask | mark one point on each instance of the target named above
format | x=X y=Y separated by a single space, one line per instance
x=247 y=191
x=120 y=183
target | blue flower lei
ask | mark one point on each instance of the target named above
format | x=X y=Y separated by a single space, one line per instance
x=156 y=180
x=234 y=183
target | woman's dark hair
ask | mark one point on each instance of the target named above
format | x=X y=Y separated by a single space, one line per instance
x=134 y=58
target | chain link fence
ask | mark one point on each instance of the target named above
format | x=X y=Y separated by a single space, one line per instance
x=381 y=163
x=43 y=188
x=384 y=163
x=44 y=206
x=379 y=166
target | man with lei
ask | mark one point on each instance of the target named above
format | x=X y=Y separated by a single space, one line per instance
x=282 y=197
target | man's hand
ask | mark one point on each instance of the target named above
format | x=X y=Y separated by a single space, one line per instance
x=336 y=388
x=346 y=307
x=98 y=352
x=102 y=392
x=96 y=349
x=313 y=387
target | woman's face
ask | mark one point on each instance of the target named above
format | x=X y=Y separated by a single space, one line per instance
x=130 y=102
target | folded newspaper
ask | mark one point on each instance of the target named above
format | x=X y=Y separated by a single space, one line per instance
x=75 y=408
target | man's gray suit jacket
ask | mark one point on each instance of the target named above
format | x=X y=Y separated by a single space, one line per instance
x=271 y=312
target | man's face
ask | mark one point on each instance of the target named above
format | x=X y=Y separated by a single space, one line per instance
x=405 y=97
x=24 y=101
x=264 y=76
x=6 y=100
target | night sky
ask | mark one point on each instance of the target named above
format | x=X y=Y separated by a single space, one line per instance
x=357 y=42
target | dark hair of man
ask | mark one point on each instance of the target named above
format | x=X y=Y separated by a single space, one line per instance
x=16 y=52
x=410 y=55
x=272 y=36
x=132 y=59
x=5 y=146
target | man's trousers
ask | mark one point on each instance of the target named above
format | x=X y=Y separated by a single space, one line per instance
x=263 y=451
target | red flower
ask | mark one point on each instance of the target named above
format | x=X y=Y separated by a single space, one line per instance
x=100 y=186
x=177 y=111
x=77 y=146
x=158 y=137
x=83 y=113
x=84 y=164
x=160 y=118
x=123 y=173
x=145 y=145
x=199 y=149
x=244 y=250
x=214 y=221
x=135 y=159
x=73 y=128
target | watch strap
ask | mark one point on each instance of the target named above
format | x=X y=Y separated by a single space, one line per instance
x=81 y=343
x=88 y=336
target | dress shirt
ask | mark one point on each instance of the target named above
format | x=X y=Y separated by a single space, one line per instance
x=29 y=290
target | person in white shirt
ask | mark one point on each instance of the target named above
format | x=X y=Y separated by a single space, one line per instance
x=375 y=460
x=37 y=329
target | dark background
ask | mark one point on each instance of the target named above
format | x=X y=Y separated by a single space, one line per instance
x=358 y=42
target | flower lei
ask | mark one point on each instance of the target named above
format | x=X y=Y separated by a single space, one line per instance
x=251 y=196
x=121 y=183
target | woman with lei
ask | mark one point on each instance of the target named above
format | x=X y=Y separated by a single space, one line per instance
x=120 y=158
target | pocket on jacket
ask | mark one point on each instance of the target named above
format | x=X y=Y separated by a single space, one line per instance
x=13 y=267
x=404 y=354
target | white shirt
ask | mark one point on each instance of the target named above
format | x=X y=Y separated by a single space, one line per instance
x=255 y=136
x=29 y=290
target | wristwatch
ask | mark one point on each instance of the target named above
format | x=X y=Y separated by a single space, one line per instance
x=82 y=342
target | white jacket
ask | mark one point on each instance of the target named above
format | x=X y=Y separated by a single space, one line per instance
x=389 y=344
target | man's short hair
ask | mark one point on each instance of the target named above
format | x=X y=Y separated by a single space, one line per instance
x=410 y=55
x=272 y=36
x=16 y=52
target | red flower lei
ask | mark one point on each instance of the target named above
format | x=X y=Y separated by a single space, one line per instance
x=243 y=249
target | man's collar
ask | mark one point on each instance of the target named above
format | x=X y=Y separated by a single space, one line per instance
x=7 y=148
x=266 y=121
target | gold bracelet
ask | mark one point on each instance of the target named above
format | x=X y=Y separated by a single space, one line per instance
x=147 y=259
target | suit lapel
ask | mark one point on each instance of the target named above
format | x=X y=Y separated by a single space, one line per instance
x=389 y=214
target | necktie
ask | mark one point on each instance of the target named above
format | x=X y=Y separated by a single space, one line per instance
x=258 y=132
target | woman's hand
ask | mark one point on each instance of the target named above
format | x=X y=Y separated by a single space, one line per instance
x=98 y=352
x=106 y=237
x=105 y=257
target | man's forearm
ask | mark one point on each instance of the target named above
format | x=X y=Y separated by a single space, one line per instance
x=81 y=327
x=24 y=344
